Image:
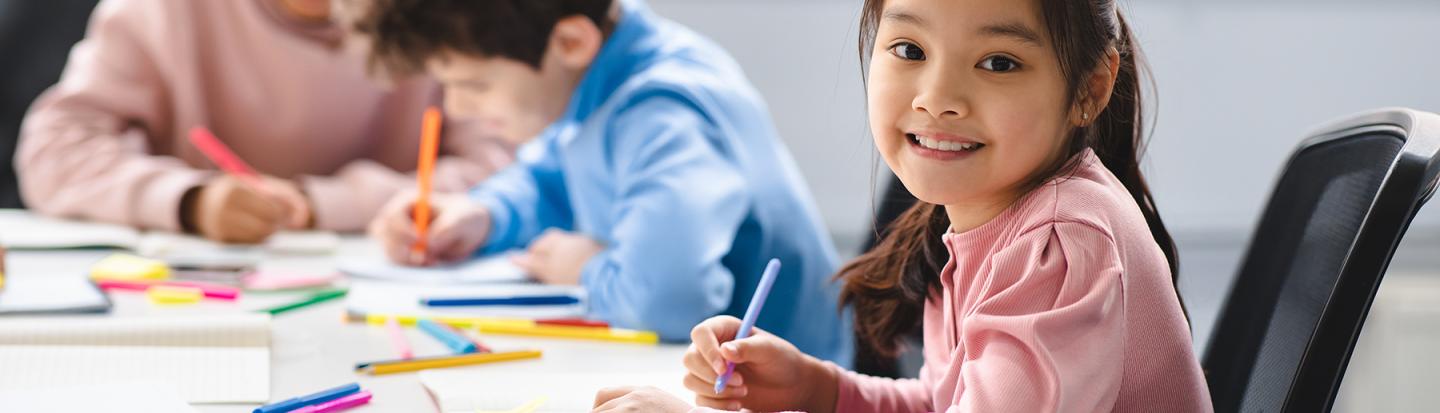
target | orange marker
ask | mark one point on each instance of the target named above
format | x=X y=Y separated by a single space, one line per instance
x=425 y=174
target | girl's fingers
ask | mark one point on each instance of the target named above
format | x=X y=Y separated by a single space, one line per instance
x=706 y=339
x=732 y=389
x=703 y=400
x=696 y=365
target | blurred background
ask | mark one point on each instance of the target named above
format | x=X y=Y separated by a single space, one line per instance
x=1240 y=82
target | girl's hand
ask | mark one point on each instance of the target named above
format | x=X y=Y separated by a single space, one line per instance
x=458 y=228
x=227 y=210
x=770 y=373
x=638 y=399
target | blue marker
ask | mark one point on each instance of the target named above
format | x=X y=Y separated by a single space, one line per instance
x=487 y=301
x=457 y=343
x=766 y=281
x=308 y=400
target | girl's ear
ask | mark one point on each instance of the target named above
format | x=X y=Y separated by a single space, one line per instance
x=574 y=42
x=1095 y=91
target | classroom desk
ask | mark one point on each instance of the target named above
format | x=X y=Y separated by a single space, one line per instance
x=312 y=348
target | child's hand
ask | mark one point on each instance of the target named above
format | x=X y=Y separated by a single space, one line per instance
x=557 y=257
x=637 y=399
x=458 y=228
x=226 y=210
x=770 y=373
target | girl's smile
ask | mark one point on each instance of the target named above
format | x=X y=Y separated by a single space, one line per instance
x=942 y=146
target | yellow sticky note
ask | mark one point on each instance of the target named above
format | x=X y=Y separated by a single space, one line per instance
x=168 y=294
x=126 y=267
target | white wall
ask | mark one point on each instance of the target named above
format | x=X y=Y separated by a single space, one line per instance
x=1239 y=83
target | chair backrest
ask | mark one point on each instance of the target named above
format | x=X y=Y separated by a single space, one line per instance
x=1340 y=208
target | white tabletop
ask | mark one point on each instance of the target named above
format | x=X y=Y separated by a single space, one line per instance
x=313 y=348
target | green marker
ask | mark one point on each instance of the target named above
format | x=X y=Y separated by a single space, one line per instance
x=316 y=298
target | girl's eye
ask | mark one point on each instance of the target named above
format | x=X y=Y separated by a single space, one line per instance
x=999 y=64
x=907 y=51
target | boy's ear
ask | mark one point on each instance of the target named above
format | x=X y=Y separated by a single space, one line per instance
x=1096 y=91
x=575 y=41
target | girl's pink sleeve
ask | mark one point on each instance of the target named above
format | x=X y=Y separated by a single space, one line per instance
x=85 y=145
x=1048 y=334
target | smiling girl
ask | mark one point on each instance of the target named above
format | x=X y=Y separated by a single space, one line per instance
x=1017 y=124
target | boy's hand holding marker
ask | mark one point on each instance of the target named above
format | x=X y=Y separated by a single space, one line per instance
x=458 y=228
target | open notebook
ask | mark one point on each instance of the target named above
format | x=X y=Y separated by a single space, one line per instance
x=209 y=359
x=23 y=230
x=468 y=391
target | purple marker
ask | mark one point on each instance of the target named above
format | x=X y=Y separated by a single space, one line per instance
x=767 y=280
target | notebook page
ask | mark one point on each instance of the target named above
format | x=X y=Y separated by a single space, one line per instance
x=230 y=330
x=200 y=374
x=490 y=269
x=469 y=391
x=119 y=397
x=209 y=359
x=20 y=230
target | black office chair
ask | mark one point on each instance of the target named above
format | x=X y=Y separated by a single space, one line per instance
x=1337 y=214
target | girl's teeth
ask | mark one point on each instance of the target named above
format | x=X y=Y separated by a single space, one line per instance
x=948 y=146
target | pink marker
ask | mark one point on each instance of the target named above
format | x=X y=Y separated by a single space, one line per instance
x=209 y=290
x=338 y=404
x=226 y=159
x=274 y=281
x=397 y=337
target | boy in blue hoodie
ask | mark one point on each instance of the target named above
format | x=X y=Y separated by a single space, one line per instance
x=652 y=175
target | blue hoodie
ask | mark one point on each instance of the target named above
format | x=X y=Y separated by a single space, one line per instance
x=667 y=155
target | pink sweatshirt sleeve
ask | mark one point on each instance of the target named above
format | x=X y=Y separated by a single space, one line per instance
x=1045 y=336
x=89 y=134
x=859 y=392
x=348 y=199
x=1048 y=334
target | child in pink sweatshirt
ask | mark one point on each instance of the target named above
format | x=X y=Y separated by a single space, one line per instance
x=274 y=80
x=1017 y=124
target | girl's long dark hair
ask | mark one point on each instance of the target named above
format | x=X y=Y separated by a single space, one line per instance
x=889 y=284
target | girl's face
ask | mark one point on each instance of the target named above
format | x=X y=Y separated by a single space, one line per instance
x=966 y=98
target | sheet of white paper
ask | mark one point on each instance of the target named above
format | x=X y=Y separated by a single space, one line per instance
x=115 y=397
x=20 y=229
x=32 y=293
x=209 y=359
x=491 y=269
x=173 y=245
x=397 y=298
x=471 y=390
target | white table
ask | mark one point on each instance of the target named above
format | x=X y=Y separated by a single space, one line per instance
x=313 y=348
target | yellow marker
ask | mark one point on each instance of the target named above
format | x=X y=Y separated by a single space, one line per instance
x=528 y=328
x=575 y=333
x=2 y=267
x=169 y=294
x=125 y=267
x=401 y=366
x=457 y=322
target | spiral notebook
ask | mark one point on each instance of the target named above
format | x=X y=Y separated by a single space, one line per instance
x=208 y=359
